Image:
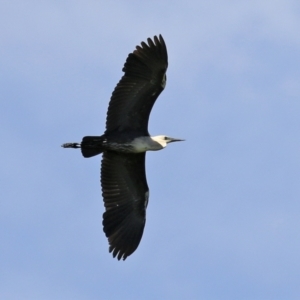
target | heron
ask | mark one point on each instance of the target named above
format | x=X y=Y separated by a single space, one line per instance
x=124 y=144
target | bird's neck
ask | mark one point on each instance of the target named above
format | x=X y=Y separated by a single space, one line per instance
x=146 y=143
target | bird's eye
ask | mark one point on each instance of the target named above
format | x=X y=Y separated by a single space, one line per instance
x=166 y=138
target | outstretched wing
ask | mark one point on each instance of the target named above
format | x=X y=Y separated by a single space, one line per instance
x=125 y=193
x=143 y=81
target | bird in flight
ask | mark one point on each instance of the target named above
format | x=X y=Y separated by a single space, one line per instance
x=124 y=144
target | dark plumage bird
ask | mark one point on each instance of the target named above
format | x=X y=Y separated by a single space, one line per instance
x=124 y=145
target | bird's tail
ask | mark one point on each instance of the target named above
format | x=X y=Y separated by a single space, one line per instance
x=90 y=145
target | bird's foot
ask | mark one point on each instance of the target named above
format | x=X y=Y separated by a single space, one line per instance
x=71 y=145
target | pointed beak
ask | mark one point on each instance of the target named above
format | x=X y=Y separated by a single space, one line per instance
x=171 y=140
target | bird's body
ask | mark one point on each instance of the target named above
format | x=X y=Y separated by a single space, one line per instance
x=124 y=144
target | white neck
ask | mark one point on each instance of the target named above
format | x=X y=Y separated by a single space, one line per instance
x=147 y=143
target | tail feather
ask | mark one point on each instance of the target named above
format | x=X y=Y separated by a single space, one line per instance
x=91 y=146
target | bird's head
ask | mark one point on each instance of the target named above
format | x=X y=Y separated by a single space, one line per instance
x=164 y=140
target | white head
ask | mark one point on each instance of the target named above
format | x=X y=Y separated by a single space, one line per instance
x=162 y=140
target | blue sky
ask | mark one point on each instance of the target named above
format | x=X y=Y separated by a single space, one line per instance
x=223 y=215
